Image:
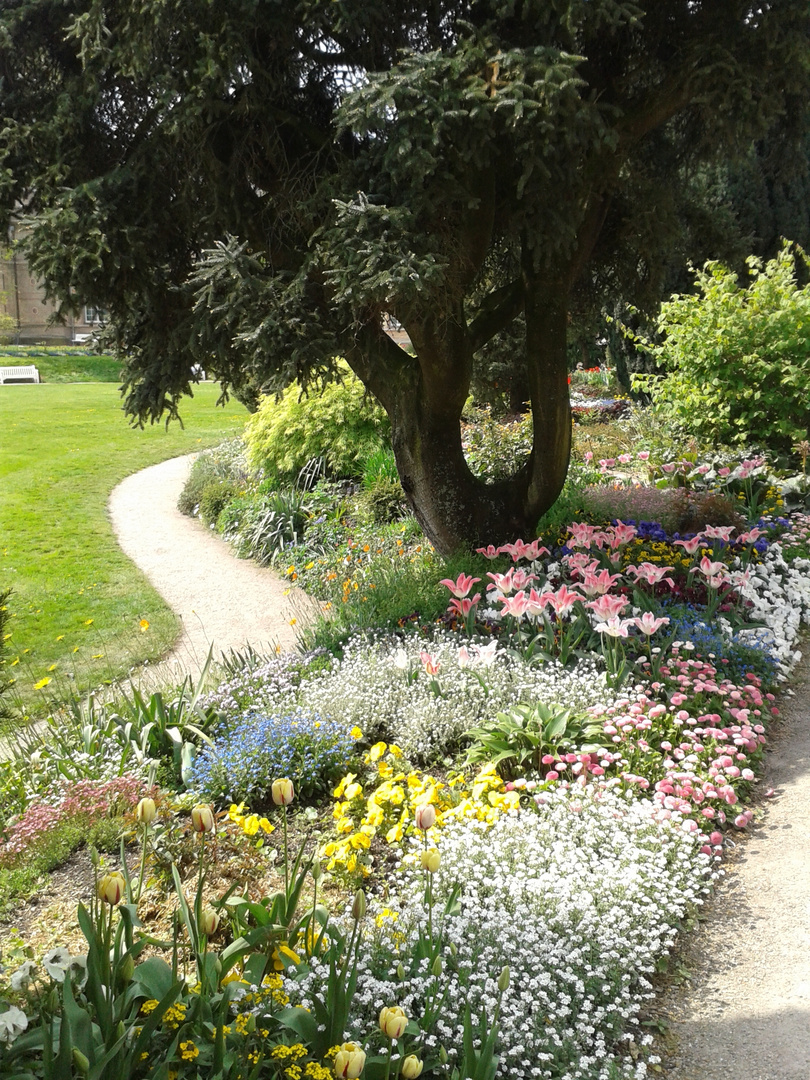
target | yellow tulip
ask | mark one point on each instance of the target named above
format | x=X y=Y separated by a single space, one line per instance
x=111 y=887
x=393 y=1022
x=202 y=819
x=283 y=792
x=350 y=1061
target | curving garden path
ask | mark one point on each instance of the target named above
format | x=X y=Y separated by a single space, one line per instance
x=744 y=1014
x=221 y=600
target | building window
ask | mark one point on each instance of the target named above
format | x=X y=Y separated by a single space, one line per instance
x=94 y=315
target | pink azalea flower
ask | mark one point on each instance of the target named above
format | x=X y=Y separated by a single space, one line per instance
x=461 y=586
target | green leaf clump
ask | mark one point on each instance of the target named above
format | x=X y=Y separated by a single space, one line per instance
x=736 y=357
x=342 y=424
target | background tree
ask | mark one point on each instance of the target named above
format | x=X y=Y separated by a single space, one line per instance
x=254 y=186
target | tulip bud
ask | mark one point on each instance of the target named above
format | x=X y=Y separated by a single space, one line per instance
x=111 y=887
x=431 y=860
x=503 y=980
x=350 y=1061
x=411 y=1067
x=209 y=921
x=146 y=811
x=317 y=870
x=283 y=792
x=202 y=819
x=126 y=969
x=359 y=906
x=424 y=816
x=442 y=1055
x=80 y=1061
x=393 y=1022
x=401 y=971
x=453 y=949
x=436 y=969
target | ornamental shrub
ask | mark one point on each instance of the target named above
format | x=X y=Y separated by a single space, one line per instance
x=736 y=358
x=340 y=423
x=252 y=750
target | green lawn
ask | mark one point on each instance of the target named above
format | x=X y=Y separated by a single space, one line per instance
x=63 y=363
x=78 y=602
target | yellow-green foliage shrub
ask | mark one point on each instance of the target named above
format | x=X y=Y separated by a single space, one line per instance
x=340 y=423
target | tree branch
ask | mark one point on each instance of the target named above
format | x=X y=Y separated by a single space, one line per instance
x=496 y=312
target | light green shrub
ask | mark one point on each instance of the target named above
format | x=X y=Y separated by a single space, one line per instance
x=340 y=423
x=736 y=357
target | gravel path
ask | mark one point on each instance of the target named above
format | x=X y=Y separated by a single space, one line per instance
x=221 y=600
x=746 y=1013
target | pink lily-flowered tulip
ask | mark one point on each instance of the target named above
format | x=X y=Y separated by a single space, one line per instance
x=751 y=536
x=489 y=552
x=465 y=605
x=643 y=455
x=504 y=583
x=581 y=533
x=669 y=468
x=623 y=534
x=723 y=471
x=614 y=627
x=515 y=605
x=652 y=574
x=709 y=568
x=648 y=623
x=522 y=578
x=461 y=586
x=535 y=604
x=607 y=607
x=598 y=584
x=718 y=532
x=561 y=601
x=690 y=546
x=624 y=459
x=429 y=663
x=535 y=550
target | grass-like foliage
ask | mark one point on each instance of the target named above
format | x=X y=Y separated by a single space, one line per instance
x=340 y=423
x=252 y=750
x=6 y=682
x=736 y=356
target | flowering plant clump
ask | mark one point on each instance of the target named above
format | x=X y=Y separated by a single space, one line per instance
x=85 y=801
x=424 y=696
x=390 y=803
x=580 y=899
x=248 y=754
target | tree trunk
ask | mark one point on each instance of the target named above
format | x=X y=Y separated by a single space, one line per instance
x=424 y=399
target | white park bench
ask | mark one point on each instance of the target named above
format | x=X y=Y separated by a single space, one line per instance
x=22 y=373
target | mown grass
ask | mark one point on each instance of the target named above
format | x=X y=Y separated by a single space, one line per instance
x=78 y=603
x=63 y=363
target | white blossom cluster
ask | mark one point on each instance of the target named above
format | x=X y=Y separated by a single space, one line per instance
x=382 y=685
x=387 y=691
x=580 y=899
x=779 y=594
